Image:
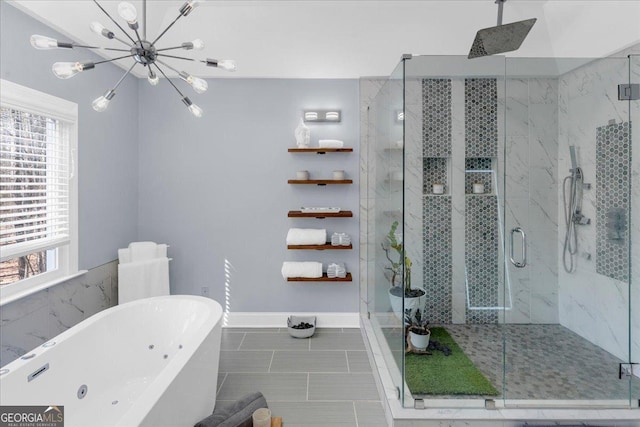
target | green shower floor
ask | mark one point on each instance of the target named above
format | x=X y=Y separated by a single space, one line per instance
x=437 y=374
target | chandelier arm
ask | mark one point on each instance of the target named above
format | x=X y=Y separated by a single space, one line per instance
x=114 y=21
x=114 y=59
x=103 y=48
x=169 y=80
x=169 y=48
x=168 y=66
x=166 y=29
x=123 y=76
x=138 y=36
x=176 y=57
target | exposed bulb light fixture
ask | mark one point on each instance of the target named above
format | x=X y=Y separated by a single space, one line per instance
x=143 y=52
x=128 y=12
x=100 y=104
x=153 y=78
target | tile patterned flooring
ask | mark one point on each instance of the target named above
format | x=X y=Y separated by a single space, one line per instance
x=542 y=362
x=322 y=381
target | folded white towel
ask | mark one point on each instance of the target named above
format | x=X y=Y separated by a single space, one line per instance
x=143 y=279
x=142 y=251
x=301 y=269
x=306 y=236
x=330 y=143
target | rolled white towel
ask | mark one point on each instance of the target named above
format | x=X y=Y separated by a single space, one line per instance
x=306 y=236
x=309 y=270
x=330 y=143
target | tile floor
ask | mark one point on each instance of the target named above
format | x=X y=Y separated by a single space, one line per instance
x=322 y=381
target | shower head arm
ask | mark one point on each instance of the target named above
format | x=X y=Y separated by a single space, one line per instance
x=500 y=4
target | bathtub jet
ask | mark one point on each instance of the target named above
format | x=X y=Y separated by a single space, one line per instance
x=501 y=38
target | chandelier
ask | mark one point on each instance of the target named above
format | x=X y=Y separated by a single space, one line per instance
x=143 y=52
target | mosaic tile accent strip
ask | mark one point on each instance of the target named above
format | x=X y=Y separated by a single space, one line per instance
x=613 y=153
x=481 y=257
x=436 y=123
x=434 y=169
x=437 y=269
x=485 y=178
x=481 y=117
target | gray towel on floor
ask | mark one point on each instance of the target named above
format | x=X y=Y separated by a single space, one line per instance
x=237 y=414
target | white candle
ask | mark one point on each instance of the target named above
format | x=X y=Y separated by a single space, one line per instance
x=438 y=188
x=478 y=188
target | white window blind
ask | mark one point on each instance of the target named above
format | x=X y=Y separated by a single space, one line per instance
x=34 y=182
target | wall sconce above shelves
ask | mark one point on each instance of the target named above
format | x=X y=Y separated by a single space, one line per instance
x=334 y=116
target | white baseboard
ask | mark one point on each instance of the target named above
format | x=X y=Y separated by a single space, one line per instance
x=279 y=320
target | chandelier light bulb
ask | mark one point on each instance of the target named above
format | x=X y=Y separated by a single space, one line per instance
x=43 y=42
x=197 y=44
x=100 y=104
x=66 y=70
x=96 y=27
x=195 y=110
x=153 y=78
x=128 y=12
x=227 y=64
x=198 y=84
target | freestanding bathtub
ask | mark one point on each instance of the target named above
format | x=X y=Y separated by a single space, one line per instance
x=150 y=362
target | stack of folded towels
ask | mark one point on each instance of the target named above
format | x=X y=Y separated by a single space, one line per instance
x=330 y=143
x=336 y=269
x=308 y=270
x=340 y=239
x=306 y=236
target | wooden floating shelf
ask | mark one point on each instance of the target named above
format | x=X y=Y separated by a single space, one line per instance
x=320 y=150
x=320 y=181
x=300 y=214
x=320 y=247
x=324 y=278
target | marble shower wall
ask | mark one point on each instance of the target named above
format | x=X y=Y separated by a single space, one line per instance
x=593 y=305
x=530 y=193
x=33 y=320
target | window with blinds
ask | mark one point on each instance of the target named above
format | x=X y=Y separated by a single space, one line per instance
x=35 y=191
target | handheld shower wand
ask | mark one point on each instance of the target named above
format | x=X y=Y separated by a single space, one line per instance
x=572 y=212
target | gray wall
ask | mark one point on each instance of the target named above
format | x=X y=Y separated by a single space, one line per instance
x=107 y=177
x=107 y=152
x=216 y=190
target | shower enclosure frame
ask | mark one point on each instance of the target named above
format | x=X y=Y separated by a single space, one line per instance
x=381 y=199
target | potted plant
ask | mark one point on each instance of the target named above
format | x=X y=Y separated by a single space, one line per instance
x=417 y=328
x=413 y=297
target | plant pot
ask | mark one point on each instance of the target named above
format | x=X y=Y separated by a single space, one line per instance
x=409 y=302
x=420 y=342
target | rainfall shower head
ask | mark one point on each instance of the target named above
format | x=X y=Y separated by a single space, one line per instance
x=501 y=38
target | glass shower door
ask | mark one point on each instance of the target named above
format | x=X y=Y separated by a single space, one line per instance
x=567 y=268
x=634 y=291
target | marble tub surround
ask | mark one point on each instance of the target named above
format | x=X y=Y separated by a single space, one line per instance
x=33 y=320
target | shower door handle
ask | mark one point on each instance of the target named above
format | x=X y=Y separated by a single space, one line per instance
x=522 y=263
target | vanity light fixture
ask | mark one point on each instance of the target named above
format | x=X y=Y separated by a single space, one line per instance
x=143 y=52
x=322 y=115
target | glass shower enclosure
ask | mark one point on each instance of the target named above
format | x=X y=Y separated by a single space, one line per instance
x=503 y=189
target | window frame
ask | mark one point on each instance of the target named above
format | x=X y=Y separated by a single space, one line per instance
x=13 y=95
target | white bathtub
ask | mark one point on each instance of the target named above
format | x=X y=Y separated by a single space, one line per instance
x=150 y=362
